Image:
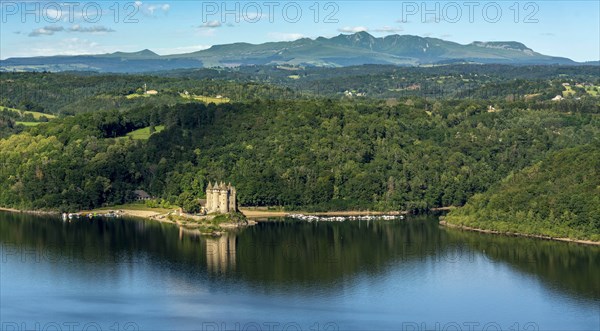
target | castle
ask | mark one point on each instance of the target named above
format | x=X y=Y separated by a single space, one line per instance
x=221 y=198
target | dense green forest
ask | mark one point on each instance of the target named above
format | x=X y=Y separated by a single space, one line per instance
x=379 y=148
x=558 y=196
x=437 y=82
x=71 y=93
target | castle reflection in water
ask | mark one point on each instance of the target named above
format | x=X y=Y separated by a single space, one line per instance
x=220 y=253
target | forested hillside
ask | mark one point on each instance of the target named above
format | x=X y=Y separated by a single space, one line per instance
x=558 y=196
x=71 y=93
x=310 y=151
x=313 y=153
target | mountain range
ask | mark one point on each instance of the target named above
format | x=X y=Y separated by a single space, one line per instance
x=343 y=50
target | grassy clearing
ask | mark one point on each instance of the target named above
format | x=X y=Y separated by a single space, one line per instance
x=593 y=90
x=210 y=225
x=568 y=92
x=2 y=108
x=205 y=99
x=289 y=68
x=38 y=115
x=531 y=96
x=294 y=77
x=35 y=114
x=144 y=134
x=135 y=95
x=29 y=123
x=204 y=226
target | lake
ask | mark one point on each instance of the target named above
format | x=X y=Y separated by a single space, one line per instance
x=411 y=274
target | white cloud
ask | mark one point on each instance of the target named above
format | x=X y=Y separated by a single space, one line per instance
x=92 y=29
x=281 y=36
x=389 y=29
x=52 y=29
x=353 y=29
x=151 y=10
x=46 y=31
x=211 y=24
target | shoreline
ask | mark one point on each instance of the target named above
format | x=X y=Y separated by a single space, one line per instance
x=32 y=212
x=182 y=220
x=161 y=216
x=518 y=234
x=249 y=212
x=258 y=213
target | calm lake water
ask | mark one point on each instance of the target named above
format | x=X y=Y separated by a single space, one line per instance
x=127 y=274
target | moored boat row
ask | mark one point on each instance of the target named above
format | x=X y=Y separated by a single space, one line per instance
x=109 y=214
x=316 y=218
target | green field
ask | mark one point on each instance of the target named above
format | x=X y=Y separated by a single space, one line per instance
x=135 y=95
x=29 y=123
x=36 y=115
x=592 y=90
x=144 y=134
x=568 y=92
x=205 y=99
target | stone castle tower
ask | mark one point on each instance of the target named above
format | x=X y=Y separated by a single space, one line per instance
x=221 y=198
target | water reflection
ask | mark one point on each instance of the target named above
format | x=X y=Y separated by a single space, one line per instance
x=572 y=268
x=221 y=253
x=311 y=256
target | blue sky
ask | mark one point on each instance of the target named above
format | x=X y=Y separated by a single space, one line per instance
x=33 y=28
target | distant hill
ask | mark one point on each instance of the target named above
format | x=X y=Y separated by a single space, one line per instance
x=141 y=55
x=343 y=50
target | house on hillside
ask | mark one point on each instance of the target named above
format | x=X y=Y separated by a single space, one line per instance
x=141 y=195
